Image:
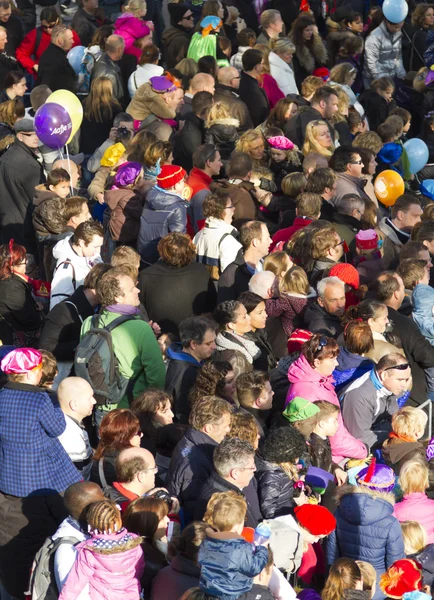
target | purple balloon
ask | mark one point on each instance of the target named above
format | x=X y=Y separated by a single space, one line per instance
x=53 y=125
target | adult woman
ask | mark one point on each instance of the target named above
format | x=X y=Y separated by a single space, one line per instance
x=188 y=67
x=267 y=81
x=339 y=119
x=368 y=172
x=234 y=323
x=310 y=51
x=20 y=317
x=215 y=378
x=148 y=67
x=352 y=361
x=318 y=139
x=252 y=143
x=245 y=427
x=133 y=29
x=311 y=378
x=280 y=59
x=212 y=8
x=281 y=113
x=216 y=244
x=153 y=408
x=100 y=108
x=14 y=86
x=119 y=429
x=255 y=307
x=176 y=274
x=11 y=111
x=414 y=41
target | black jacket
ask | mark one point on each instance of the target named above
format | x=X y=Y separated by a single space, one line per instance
x=376 y=108
x=190 y=138
x=109 y=469
x=255 y=98
x=106 y=67
x=234 y=280
x=15 y=30
x=321 y=453
x=175 y=40
x=55 y=71
x=295 y=128
x=85 y=25
x=18 y=309
x=318 y=320
x=181 y=374
x=7 y=63
x=236 y=107
x=266 y=360
x=275 y=489
x=172 y=294
x=258 y=592
x=215 y=484
x=61 y=332
x=190 y=467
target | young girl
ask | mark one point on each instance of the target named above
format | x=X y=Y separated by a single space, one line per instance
x=295 y=293
x=110 y=563
x=221 y=130
x=285 y=158
x=369 y=260
x=345 y=574
x=278 y=263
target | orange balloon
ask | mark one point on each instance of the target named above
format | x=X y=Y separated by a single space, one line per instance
x=388 y=186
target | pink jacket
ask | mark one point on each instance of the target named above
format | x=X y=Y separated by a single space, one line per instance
x=417 y=507
x=307 y=383
x=131 y=28
x=110 y=575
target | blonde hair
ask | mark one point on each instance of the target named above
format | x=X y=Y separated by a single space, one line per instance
x=413 y=477
x=414 y=536
x=246 y=139
x=311 y=144
x=277 y=262
x=282 y=46
x=369 y=575
x=216 y=112
x=295 y=281
x=409 y=421
x=343 y=105
x=342 y=73
x=225 y=510
x=136 y=7
x=265 y=49
x=99 y=105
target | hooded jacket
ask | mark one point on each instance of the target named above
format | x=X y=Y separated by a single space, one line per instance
x=182 y=371
x=176 y=41
x=290 y=308
x=131 y=28
x=106 y=67
x=236 y=107
x=142 y=75
x=275 y=489
x=223 y=133
x=19 y=312
x=396 y=452
x=308 y=383
x=417 y=504
x=125 y=210
x=283 y=74
x=376 y=108
x=146 y=102
x=172 y=581
x=423 y=304
x=318 y=320
x=391 y=244
x=350 y=367
x=389 y=158
x=348 y=184
x=164 y=211
x=47 y=217
x=383 y=55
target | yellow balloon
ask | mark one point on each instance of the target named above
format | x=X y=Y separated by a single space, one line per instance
x=73 y=106
x=388 y=186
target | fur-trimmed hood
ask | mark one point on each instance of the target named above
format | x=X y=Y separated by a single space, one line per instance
x=226 y=122
x=310 y=57
x=361 y=506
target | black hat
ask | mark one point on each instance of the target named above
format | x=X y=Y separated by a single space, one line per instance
x=177 y=11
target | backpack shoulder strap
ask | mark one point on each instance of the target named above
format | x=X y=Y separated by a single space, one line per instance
x=74 y=280
x=118 y=321
x=76 y=309
x=225 y=235
x=101 y=472
x=37 y=40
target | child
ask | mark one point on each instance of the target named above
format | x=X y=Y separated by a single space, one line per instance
x=49 y=371
x=302 y=414
x=55 y=190
x=369 y=260
x=356 y=123
x=295 y=294
x=228 y=563
x=428 y=135
x=402 y=576
x=278 y=263
x=405 y=115
x=292 y=186
x=414 y=536
x=369 y=577
x=423 y=308
x=221 y=130
x=110 y=563
x=285 y=158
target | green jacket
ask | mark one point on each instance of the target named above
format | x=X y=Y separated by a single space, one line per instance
x=137 y=351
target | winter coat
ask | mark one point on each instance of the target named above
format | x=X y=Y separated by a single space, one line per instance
x=417 y=503
x=142 y=75
x=347 y=226
x=423 y=305
x=110 y=565
x=347 y=184
x=163 y=213
x=108 y=461
x=126 y=208
x=234 y=280
x=182 y=371
x=366 y=529
x=271 y=89
x=106 y=67
x=350 y=367
x=47 y=217
x=223 y=133
x=70 y=271
x=226 y=340
x=172 y=581
x=383 y=55
x=369 y=269
x=309 y=384
x=131 y=28
x=307 y=58
x=290 y=308
x=236 y=107
x=397 y=452
x=283 y=74
x=318 y=320
x=171 y=294
x=55 y=71
x=376 y=108
x=368 y=408
x=254 y=97
x=20 y=173
x=241 y=194
x=28 y=53
x=19 y=312
x=190 y=467
x=15 y=32
x=426 y=559
x=295 y=128
x=275 y=489
x=228 y=564
x=216 y=246
x=187 y=141
x=175 y=41
x=32 y=460
x=266 y=359
x=391 y=244
x=85 y=25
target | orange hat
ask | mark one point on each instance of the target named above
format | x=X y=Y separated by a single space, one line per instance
x=169 y=176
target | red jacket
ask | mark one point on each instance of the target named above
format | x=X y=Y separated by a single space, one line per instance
x=284 y=235
x=198 y=180
x=26 y=50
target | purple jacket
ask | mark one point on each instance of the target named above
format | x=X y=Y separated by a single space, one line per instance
x=418 y=504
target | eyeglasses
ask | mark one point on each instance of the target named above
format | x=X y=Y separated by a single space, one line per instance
x=151 y=470
x=342 y=242
x=402 y=367
x=356 y=162
x=247 y=469
x=229 y=207
x=28 y=134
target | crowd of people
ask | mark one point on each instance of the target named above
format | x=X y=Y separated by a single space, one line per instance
x=216 y=320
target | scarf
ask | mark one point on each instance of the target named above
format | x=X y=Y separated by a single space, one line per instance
x=233 y=341
x=123 y=309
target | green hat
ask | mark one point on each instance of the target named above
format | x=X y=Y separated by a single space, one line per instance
x=300 y=409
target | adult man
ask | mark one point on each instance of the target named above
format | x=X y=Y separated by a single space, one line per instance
x=255 y=240
x=271 y=26
x=346 y=220
x=255 y=396
x=176 y=38
x=324 y=315
x=121 y=122
x=322 y=181
x=228 y=82
x=54 y=69
x=193 y=133
x=250 y=92
x=371 y=400
x=396 y=230
x=207 y=164
x=383 y=53
x=323 y=106
x=197 y=344
x=107 y=64
x=348 y=165
x=134 y=343
x=234 y=469
x=201 y=82
x=20 y=172
x=76 y=400
x=7 y=62
x=14 y=27
x=191 y=462
x=75 y=256
x=85 y=21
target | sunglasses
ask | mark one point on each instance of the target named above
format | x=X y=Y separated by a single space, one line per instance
x=188 y=18
x=402 y=367
x=49 y=26
x=28 y=134
x=323 y=341
x=356 y=162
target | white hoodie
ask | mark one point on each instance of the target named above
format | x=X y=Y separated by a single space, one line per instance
x=70 y=271
x=66 y=554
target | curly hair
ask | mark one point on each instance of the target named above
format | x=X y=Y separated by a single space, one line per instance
x=210 y=380
x=208 y=411
x=108 y=287
x=177 y=249
x=244 y=427
x=284 y=445
x=418 y=15
x=215 y=205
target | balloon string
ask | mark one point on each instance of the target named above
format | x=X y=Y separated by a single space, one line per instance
x=69 y=167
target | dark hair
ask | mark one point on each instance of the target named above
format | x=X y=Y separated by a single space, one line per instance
x=250 y=300
x=87 y=230
x=49 y=14
x=149 y=55
x=245 y=36
x=323 y=94
x=358 y=337
x=188 y=543
x=276 y=118
x=116 y=430
x=251 y=58
x=201 y=102
x=215 y=205
x=100 y=36
x=239 y=165
x=341 y=157
x=367 y=309
x=386 y=131
x=386 y=286
x=403 y=203
x=366 y=156
x=210 y=380
x=411 y=271
x=177 y=249
x=423 y=231
x=284 y=445
x=56 y=176
x=350 y=46
x=146 y=405
x=298 y=26
x=208 y=64
x=319 y=347
x=352 y=16
x=12 y=78
x=143 y=515
x=226 y=312
x=404 y=114
x=252 y=230
x=411 y=250
x=321 y=179
x=250 y=386
x=194 y=329
x=74 y=206
x=203 y=154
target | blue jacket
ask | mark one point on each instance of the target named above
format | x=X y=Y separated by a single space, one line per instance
x=163 y=213
x=350 y=367
x=228 y=564
x=423 y=303
x=32 y=460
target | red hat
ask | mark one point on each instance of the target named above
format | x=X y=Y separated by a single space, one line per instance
x=297 y=339
x=20 y=361
x=169 y=176
x=367 y=239
x=318 y=520
x=322 y=72
x=403 y=576
x=346 y=273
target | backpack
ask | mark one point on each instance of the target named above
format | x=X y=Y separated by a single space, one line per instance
x=96 y=362
x=43 y=584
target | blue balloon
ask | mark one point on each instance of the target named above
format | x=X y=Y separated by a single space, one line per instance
x=418 y=154
x=75 y=56
x=395 y=11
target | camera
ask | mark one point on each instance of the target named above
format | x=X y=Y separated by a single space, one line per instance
x=123 y=134
x=163 y=495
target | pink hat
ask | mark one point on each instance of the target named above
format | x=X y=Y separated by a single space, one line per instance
x=280 y=142
x=367 y=240
x=20 y=361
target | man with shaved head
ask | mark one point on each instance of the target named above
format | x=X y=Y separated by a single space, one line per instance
x=108 y=65
x=76 y=400
x=201 y=82
x=228 y=81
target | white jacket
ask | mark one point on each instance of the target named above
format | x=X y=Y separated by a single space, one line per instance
x=211 y=250
x=283 y=74
x=142 y=75
x=70 y=271
x=66 y=554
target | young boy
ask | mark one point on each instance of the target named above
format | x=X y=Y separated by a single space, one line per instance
x=255 y=396
x=406 y=119
x=408 y=426
x=228 y=563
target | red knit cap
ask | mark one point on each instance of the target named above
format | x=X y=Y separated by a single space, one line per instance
x=403 y=576
x=297 y=339
x=346 y=273
x=322 y=72
x=169 y=176
x=367 y=239
x=318 y=520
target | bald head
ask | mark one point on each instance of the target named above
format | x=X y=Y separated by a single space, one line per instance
x=135 y=468
x=202 y=82
x=115 y=46
x=70 y=167
x=79 y=496
x=75 y=397
x=229 y=76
